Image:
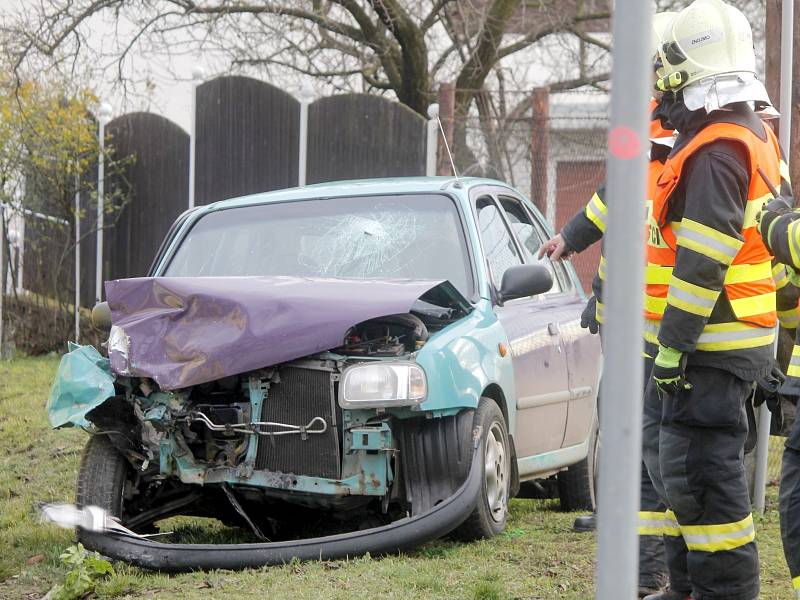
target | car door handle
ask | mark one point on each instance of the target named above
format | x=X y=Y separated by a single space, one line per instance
x=552 y=328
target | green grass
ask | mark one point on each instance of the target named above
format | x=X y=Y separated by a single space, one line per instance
x=538 y=557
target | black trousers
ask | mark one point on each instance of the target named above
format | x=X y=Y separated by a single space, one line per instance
x=789 y=504
x=694 y=452
x=652 y=562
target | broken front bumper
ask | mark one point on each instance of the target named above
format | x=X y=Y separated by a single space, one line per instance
x=400 y=535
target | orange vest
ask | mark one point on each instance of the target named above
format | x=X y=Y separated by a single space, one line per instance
x=749 y=285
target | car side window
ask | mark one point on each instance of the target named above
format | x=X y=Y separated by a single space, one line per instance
x=530 y=238
x=498 y=246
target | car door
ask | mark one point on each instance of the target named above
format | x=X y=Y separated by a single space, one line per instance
x=565 y=304
x=540 y=370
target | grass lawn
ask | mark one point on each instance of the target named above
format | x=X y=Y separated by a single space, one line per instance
x=538 y=557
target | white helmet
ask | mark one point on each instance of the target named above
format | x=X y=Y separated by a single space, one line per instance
x=661 y=23
x=705 y=39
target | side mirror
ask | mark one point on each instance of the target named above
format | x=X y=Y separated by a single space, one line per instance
x=101 y=316
x=521 y=281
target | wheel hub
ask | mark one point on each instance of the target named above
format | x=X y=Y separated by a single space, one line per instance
x=496 y=472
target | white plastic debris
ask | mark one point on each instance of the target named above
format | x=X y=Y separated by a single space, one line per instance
x=91 y=518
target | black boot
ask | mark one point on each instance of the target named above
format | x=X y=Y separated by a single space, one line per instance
x=670 y=595
x=585 y=523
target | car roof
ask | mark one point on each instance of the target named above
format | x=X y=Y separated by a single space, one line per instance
x=360 y=187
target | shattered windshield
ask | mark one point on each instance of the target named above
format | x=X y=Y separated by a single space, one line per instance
x=403 y=237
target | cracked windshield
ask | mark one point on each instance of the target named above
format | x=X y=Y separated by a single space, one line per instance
x=392 y=237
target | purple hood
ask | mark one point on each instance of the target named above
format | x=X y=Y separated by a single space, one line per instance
x=182 y=331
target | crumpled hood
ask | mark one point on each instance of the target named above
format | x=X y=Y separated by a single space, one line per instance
x=183 y=331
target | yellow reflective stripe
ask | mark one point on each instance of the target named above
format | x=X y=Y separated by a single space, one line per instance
x=717 y=538
x=597 y=212
x=708 y=241
x=655 y=305
x=599 y=311
x=748 y=273
x=601 y=270
x=794 y=363
x=691 y=298
x=789 y=318
x=734 y=336
x=779 y=276
x=753 y=208
x=651 y=523
x=794 y=242
x=660 y=275
x=671 y=527
x=785 y=174
x=657 y=275
x=753 y=305
x=651 y=331
x=723 y=336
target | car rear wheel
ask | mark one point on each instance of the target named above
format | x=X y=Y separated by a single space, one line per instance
x=576 y=485
x=491 y=509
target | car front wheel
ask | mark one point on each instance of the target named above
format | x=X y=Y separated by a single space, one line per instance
x=491 y=509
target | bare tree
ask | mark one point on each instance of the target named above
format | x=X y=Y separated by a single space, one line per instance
x=400 y=47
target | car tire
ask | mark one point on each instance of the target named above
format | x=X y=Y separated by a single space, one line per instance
x=102 y=476
x=491 y=510
x=576 y=484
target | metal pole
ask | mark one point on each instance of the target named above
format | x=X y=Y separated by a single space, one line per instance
x=105 y=113
x=306 y=94
x=197 y=78
x=787 y=24
x=77 y=253
x=621 y=390
x=432 y=142
x=2 y=271
x=785 y=132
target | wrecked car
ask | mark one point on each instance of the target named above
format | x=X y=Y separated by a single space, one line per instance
x=342 y=368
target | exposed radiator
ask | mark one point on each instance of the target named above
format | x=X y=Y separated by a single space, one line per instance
x=301 y=395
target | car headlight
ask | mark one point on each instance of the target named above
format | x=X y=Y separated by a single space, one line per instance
x=383 y=384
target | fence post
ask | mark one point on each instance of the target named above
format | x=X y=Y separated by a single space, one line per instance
x=306 y=95
x=432 y=144
x=197 y=78
x=540 y=145
x=447 y=109
x=622 y=382
x=105 y=113
x=77 y=253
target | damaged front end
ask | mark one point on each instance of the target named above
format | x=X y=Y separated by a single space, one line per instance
x=334 y=442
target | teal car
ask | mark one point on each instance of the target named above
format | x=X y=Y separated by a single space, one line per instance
x=351 y=367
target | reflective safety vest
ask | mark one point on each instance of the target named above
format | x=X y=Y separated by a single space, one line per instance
x=597 y=211
x=749 y=285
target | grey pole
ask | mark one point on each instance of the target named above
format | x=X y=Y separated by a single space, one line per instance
x=77 y=254
x=306 y=94
x=432 y=141
x=621 y=389
x=2 y=271
x=785 y=133
x=197 y=78
x=105 y=113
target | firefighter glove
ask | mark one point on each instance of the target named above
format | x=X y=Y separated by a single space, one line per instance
x=771 y=211
x=589 y=316
x=668 y=371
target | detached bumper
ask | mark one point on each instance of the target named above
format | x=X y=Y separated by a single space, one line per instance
x=400 y=535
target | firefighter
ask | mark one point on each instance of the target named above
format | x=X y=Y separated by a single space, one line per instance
x=780 y=230
x=583 y=230
x=710 y=305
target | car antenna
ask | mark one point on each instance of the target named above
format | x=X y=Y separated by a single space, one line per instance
x=447 y=147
